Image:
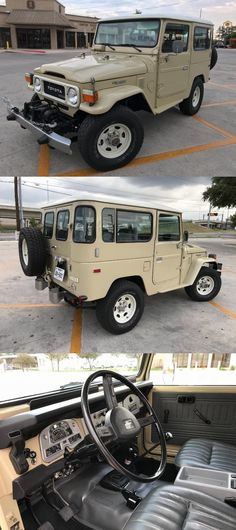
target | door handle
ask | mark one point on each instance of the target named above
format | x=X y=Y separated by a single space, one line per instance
x=159 y=259
x=185 y=67
x=53 y=246
x=201 y=417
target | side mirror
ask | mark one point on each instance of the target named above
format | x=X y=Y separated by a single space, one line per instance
x=186 y=235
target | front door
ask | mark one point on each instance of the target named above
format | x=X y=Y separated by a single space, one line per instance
x=60 y=39
x=168 y=252
x=174 y=62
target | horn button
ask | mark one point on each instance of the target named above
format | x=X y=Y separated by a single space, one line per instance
x=123 y=424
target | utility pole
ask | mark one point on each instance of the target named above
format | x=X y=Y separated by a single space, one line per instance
x=17 y=204
x=209 y=216
x=21 y=215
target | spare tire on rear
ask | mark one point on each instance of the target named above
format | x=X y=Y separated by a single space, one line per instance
x=32 y=251
x=214 y=57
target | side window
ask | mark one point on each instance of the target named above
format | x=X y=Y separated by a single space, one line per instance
x=193 y=369
x=84 y=225
x=201 y=38
x=168 y=227
x=63 y=218
x=133 y=226
x=48 y=225
x=108 y=225
x=175 y=38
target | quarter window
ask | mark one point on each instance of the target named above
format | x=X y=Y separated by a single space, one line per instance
x=175 y=38
x=84 y=225
x=202 y=38
x=133 y=226
x=169 y=227
x=62 y=225
x=108 y=225
x=48 y=225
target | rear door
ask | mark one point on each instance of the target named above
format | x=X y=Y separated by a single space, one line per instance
x=168 y=251
x=57 y=230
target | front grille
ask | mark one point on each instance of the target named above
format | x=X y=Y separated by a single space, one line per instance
x=54 y=90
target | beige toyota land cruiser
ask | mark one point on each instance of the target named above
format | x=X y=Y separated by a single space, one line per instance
x=137 y=63
x=114 y=253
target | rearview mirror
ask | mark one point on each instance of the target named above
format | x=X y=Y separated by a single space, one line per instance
x=186 y=235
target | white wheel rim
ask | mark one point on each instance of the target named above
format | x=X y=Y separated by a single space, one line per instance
x=25 y=253
x=205 y=285
x=196 y=96
x=114 y=140
x=124 y=308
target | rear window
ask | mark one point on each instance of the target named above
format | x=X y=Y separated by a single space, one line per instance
x=62 y=227
x=84 y=225
x=48 y=225
x=133 y=226
x=202 y=38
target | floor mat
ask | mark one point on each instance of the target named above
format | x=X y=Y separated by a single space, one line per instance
x=42 y=512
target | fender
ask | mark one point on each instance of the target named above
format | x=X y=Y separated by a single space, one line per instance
x=108 y=97
x=196 y=267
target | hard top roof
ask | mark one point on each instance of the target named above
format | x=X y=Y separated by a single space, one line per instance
x=163 y=15
x=111 y=199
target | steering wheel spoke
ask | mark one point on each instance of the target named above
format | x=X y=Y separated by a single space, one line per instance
x=109 y=392
x=147 y=420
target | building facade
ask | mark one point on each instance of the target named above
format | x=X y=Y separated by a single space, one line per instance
x=43 y=24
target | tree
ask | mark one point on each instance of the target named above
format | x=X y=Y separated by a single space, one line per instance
x=24 y=361
x=233 y=220
x=56 y=357
x=90 y=358
x=32 y=222
x=222 y=192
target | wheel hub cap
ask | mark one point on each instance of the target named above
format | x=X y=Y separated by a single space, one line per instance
x=114 y=140
x=124 y=308
x=196 y=96
x=205 y=285
x=25 y=253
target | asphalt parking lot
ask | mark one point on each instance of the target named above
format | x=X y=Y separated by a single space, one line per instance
x=171 y=321
x=174 y=144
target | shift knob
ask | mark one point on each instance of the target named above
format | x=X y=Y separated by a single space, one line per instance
x=168 y=436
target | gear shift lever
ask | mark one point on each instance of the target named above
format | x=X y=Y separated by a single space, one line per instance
x=168 y=436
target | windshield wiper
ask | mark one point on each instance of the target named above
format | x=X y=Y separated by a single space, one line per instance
x=135 y=47
x=109 y=45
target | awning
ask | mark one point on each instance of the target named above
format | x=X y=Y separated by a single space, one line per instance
x=39 y=18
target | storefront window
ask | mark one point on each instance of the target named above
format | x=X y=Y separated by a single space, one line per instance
x=5 y=36
x=33 y=38
x=70 y=39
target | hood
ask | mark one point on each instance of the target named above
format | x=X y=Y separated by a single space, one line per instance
x=194 y=249
x=101 y=66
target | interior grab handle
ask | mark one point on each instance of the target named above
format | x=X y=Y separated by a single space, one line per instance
x=201 y=417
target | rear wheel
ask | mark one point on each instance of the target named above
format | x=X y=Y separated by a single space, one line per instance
x=32 y=251
x=111 y=140
x=122 y=308
x=192 y=104
x=206 y=286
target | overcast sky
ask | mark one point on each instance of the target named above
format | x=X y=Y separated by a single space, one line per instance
x=216 y=10
x=184 y=194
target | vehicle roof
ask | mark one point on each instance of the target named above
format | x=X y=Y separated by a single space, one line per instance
x=111 y=199
x=164 y=15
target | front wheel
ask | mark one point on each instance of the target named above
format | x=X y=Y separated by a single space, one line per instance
x=111 y=140
x=206 y=286
x=122 y=308
x=192 y=104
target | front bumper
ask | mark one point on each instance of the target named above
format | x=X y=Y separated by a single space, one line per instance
x=53 y=139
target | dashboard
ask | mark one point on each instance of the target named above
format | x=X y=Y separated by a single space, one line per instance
x=58 y=436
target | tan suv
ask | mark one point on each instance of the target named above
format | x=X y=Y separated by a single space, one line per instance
x=114 y=253
x=137 y=63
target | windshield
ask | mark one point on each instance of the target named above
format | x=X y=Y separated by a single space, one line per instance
x=142 y=33
x=25 y=375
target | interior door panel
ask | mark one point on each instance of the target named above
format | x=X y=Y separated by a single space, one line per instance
x=187 y=414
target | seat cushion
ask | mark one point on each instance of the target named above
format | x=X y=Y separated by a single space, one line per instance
x=175 y=508
x=208 y=454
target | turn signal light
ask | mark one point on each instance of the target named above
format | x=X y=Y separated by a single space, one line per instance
x=29 y=78
x=90 y=96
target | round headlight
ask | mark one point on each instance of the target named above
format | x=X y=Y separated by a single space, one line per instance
x=37 y=84
x=72 y=96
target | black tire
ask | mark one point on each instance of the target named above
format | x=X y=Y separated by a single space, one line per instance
x=186 y=106
x=36 y=248
x=104 y=307
x=214 y=57
x=92 y=127
x=192 y=291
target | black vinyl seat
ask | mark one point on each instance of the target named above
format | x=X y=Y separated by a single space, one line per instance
x=176 y=508
x=199 y=452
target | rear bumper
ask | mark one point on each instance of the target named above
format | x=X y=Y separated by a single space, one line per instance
x=53 y=139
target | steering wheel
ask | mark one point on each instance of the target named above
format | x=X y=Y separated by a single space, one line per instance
x=120 y=424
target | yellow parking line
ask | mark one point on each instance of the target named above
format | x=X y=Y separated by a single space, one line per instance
x=220 y=103
x=75 y=345
x=149 y=159
x=28 y=306
x=43 y=163
x=227 y=269
x=229 y=87
x=214 y=127
x=223 y=309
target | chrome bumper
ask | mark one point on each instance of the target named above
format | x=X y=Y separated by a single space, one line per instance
x=51 y=138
